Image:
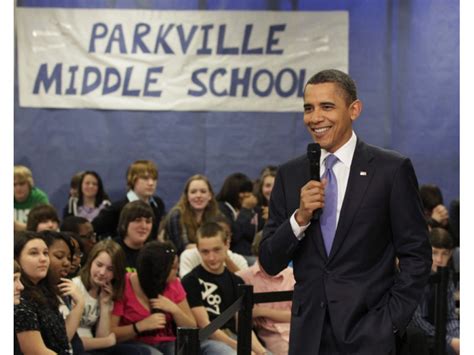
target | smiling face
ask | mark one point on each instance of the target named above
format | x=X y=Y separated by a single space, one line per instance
x=34 y=260
x=199 y=195
x=60 y=256
x=327 y=115
x=138 y=231
x=102 y=269
x=267 y=186
x=90 y=186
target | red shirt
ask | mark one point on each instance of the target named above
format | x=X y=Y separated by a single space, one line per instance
x=130 y=311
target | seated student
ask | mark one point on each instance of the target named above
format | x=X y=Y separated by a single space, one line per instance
x=153 y=301
x=74 y=184
x=42 y=217
x=196 y=205
x=39 y=325
x=263 y=190
x=190 y=258
x=211 y=289
x=101 y=282
x=135 y=225
x=82 y=228
x=77 y=254
x=91 y=198
x=142 y=179
x=237 y=203
x=25 y=195
x=17 y=285
x=17 y=288
x=423 y=318
x=436 y=213
x=272 y=320
x=71 y=301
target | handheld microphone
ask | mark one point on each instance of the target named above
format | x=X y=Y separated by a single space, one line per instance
x=314 y=155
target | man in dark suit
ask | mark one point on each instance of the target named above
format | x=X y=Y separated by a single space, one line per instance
x=349 y=297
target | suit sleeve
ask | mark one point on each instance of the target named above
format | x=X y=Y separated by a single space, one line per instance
x=279 y=242
x=412 y=246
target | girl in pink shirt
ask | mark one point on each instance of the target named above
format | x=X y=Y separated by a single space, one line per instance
x=154 y=301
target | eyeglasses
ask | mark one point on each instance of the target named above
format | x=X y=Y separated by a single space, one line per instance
x=90 y=236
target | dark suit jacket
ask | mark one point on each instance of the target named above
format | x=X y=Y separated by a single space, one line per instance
x=357 y=284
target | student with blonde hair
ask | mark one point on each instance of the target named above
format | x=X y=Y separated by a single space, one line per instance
x=25 y=195
x=101 y=282
x=142 y=180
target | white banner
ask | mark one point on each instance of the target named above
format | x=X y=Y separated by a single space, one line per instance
x=174 y=60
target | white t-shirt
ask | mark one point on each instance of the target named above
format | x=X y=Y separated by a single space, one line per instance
x=91 y=310
x=190 y=258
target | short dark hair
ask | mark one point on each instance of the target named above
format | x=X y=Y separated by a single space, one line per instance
x=210 y=230
x=41 y=213
x=431 y=196
x=72 y=223
x=130 y=212
x=440 y=238
x=341 y=79
x=50 y=236
x=232 y=186
x=154 y=264
x=220 y=218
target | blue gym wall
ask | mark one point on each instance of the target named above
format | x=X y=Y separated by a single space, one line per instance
x=403 y=54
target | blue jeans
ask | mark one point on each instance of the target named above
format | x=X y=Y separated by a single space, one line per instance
x=134 y=347
x=214 y=347
x=166 y=347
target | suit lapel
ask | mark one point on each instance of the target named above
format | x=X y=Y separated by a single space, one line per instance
x=360 y=174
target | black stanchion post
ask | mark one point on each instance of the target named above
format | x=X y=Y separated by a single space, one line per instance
x=244 y=331
x=441 y=311
x=187 y=341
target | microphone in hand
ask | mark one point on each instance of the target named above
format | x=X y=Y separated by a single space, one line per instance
x=314 y=156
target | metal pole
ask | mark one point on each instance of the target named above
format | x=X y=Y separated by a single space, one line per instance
x=187 y=341
x=441 y=311
x=244 y=336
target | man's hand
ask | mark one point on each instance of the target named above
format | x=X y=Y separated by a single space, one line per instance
x=311 y=198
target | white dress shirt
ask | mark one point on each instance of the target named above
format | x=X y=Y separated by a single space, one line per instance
x=341 y=170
